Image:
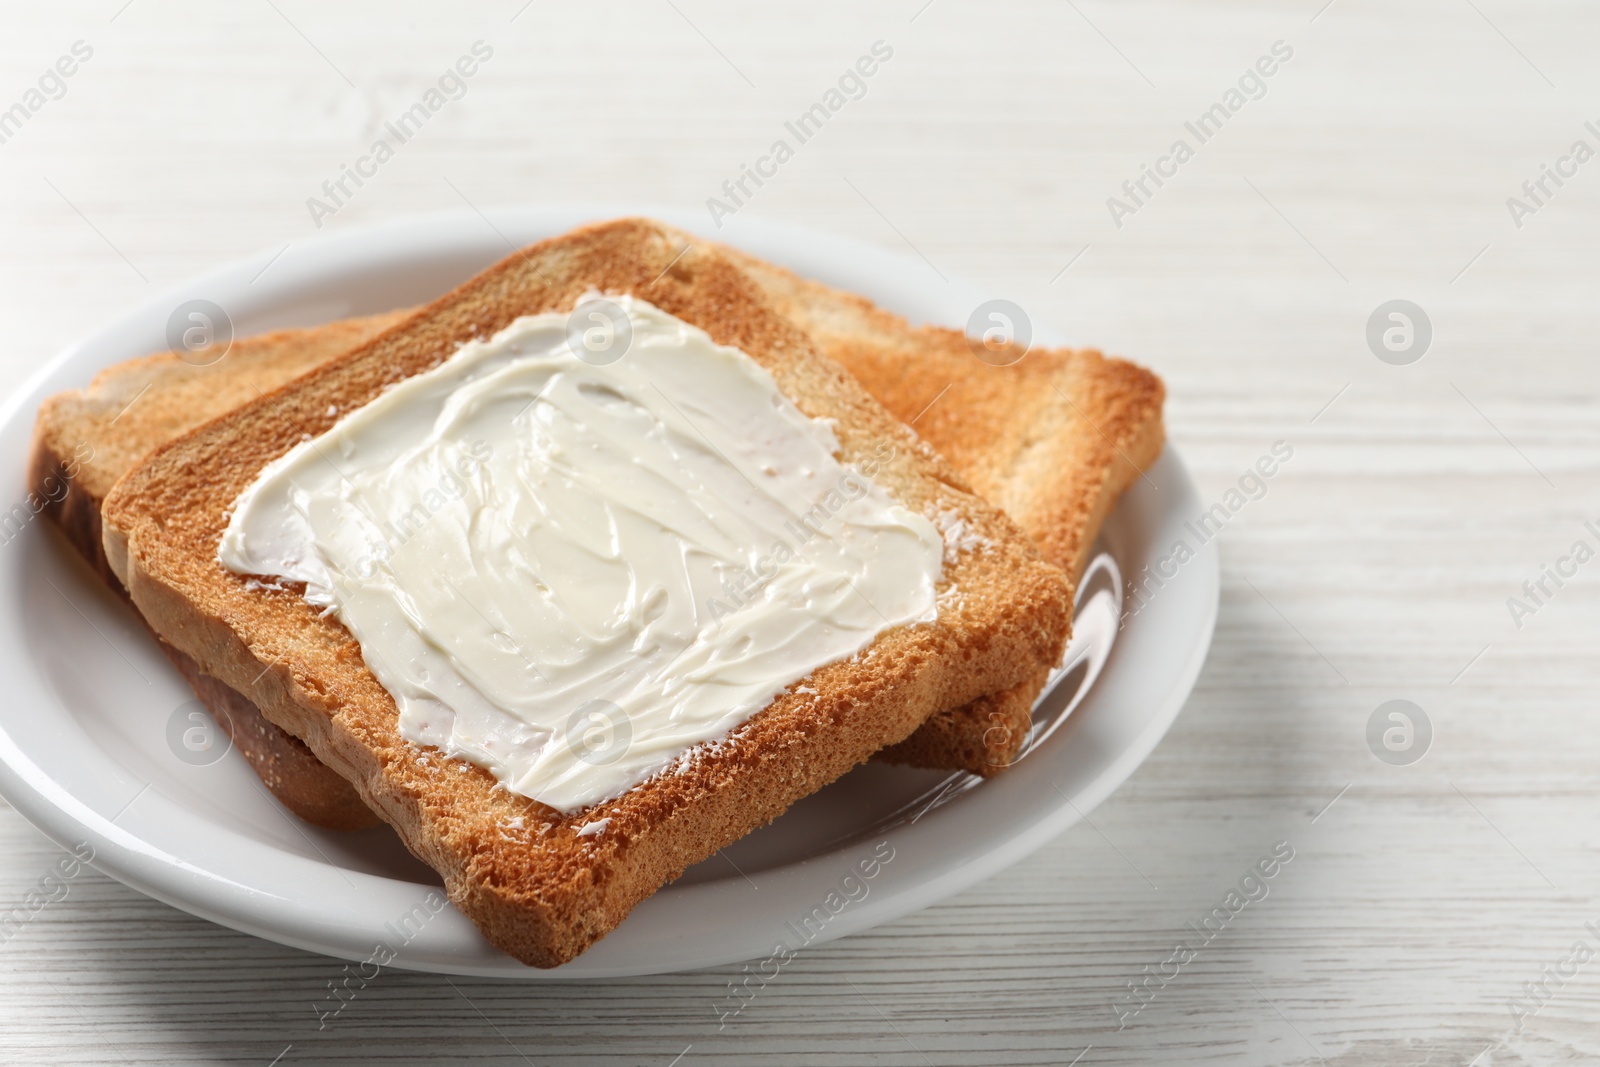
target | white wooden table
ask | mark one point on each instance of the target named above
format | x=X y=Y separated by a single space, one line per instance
x=1375 y=166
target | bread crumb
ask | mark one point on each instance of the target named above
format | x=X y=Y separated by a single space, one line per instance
x=264 y=585
x=958 y=536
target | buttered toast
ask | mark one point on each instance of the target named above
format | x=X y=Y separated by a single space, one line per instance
x=1054 y=438
x=543 y=885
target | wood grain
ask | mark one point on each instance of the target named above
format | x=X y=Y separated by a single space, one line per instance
x=1375 y=167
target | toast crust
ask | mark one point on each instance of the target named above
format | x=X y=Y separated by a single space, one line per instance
x=519 y=869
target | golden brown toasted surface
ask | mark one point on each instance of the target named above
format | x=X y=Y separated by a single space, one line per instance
x=84 y=440
x=516 y=867
x=1052 y=438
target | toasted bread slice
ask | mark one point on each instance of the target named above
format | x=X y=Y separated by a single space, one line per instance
x=544 y=893
x=1053 y=437
x=85 y=440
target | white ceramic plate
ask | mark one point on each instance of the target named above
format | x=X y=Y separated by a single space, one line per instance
x=84 y=731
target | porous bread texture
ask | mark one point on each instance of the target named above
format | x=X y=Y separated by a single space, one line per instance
x=84 y=440
x=544 y=893
x=1051 y=436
